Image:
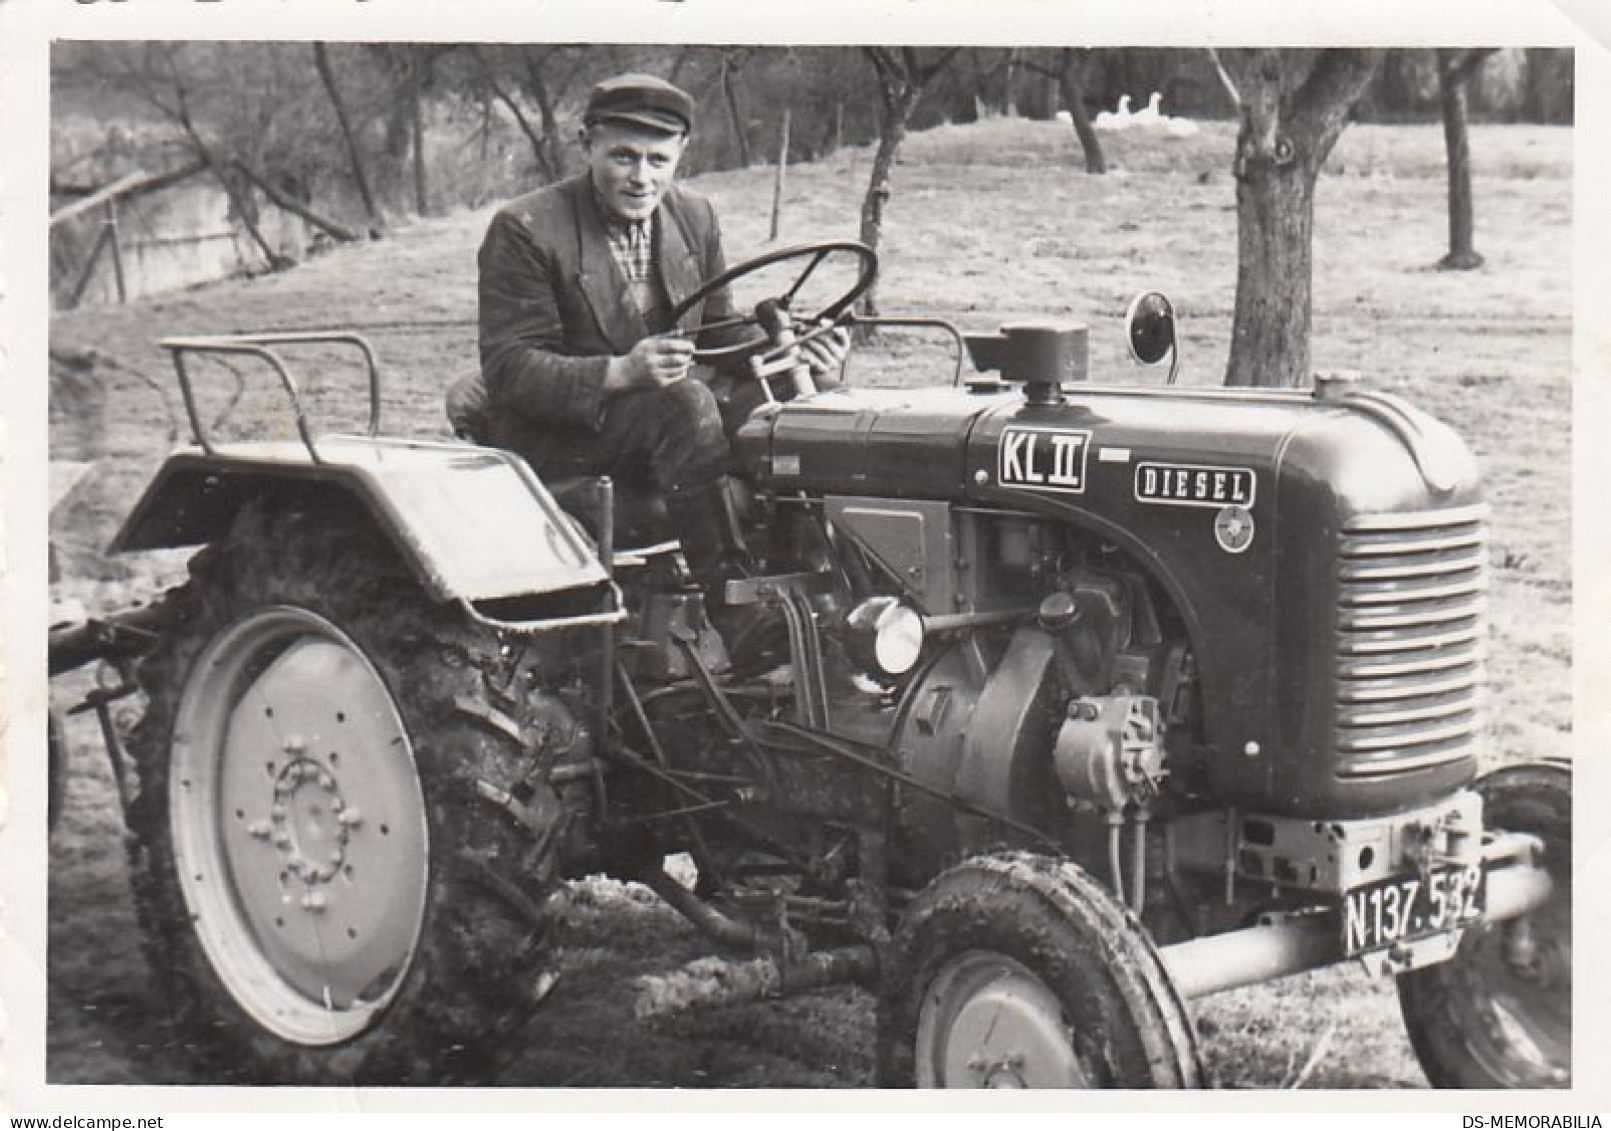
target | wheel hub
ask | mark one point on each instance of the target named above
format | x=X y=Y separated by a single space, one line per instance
x=1006 y=1072
x=310 y=821
x=989 y=1022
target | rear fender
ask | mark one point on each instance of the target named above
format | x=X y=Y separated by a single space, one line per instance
x=474 y=524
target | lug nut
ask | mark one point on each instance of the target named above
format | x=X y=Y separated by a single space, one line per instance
x=295 y=744
x=314 y=901
x=262 y=830
x=282 y=840
x=350 y=817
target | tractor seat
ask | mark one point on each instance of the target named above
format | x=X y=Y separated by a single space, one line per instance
x=641 y=521
x=640 y=510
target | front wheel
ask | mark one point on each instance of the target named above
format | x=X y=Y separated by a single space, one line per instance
x=1021 y=971
x=332 y=886
x=1499 y=1013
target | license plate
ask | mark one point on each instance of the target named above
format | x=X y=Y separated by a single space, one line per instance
x=1410 y=907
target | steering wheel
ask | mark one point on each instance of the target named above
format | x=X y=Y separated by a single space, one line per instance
x=815 y=253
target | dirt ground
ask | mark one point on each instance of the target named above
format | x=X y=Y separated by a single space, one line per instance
x=988 y=223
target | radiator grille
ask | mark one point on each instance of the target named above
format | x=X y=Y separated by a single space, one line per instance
x=1410 y=639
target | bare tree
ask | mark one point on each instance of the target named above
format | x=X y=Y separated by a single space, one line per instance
x=1070 y=76
x=411 y=68
x=282 y=199
x=903 y=73
x=158 y=78
x=1294 y=106
x=1547 y=93
x=355 y=157
x=1456 y=69
x=415 y=95
x=550 y=75
x=731 y=66
x=538 y=137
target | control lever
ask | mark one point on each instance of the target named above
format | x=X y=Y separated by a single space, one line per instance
x=784 y=356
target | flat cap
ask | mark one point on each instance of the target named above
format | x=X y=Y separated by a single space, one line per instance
x=642 y=100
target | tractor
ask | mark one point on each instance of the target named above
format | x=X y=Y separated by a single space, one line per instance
x=1058 y=705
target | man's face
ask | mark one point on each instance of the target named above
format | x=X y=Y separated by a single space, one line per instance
x=631 y=167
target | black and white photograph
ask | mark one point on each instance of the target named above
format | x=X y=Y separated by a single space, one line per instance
x=679 y=555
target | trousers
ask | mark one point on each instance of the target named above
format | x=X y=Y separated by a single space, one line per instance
x=669 y=439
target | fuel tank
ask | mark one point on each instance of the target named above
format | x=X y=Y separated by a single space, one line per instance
x=1325 y=551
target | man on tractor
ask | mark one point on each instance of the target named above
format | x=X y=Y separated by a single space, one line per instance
x=584 y=369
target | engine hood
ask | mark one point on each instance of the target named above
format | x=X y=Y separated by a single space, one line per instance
x=1111 y=451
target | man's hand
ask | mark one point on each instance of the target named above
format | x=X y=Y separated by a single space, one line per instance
x=654 y=362
x=825 y=354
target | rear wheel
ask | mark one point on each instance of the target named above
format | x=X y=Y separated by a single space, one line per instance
x=330 y=890
x=1021 y=971
x=1499 y=1014
x=56 y=767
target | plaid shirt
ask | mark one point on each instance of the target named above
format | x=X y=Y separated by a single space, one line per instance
x=633 y=248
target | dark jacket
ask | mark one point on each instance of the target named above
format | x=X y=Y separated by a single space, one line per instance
x=554 y=306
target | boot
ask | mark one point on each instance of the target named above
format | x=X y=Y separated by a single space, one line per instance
x=706 y=523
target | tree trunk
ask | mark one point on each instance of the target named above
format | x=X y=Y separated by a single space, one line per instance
x=354 y=155
x=1274 y=269
x=543 y=88
x=241 y=204
x=1547 y=94
x=734 y=113
x=891 y=132
x=552 y=158
x=1399 y=95
x=1294 y=106
x=534 y=139
x=902 y=75
x=1455 y=69
x=416 y=94
x=684 y=57
x=1073 y=95
x=280 y=200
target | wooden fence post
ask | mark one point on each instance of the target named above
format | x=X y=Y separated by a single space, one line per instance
x=117 y=250
x=89 y=268
x=777 y=183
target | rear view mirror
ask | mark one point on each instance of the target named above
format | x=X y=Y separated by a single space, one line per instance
x=1149 y=327
x=1149 y=330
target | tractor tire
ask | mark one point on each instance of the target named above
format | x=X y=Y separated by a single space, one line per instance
x=1018 y=971
x=335 y=879
x=55 y=768
x=1477 y=1020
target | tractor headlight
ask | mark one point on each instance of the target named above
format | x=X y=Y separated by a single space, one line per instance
x=887 y=632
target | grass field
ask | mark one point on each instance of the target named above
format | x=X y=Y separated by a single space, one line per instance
x=989 y=223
